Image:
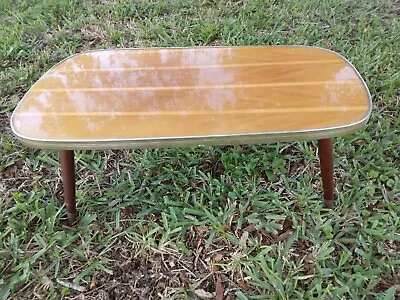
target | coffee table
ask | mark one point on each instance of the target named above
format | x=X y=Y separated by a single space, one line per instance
x=169 y=97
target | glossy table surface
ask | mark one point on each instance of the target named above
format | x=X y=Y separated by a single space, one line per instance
x=132 y=98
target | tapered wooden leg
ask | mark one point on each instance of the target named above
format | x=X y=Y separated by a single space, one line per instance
x=326 y=161
x=68 y=177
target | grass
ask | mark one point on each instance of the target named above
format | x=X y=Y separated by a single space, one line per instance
x=192 y=222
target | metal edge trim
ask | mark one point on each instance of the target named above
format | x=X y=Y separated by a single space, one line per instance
x=198 y=141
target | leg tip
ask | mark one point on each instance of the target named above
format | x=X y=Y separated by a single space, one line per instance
x=71 y=218
x=329 y=204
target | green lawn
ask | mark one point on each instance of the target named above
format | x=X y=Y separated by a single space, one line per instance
x=245 y=221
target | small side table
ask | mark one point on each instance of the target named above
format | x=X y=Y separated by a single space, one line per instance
x=168 y=97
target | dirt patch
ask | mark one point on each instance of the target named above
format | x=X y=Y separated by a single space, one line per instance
x=162 y=274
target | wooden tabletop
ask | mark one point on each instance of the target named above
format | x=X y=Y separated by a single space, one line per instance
x=192 y=96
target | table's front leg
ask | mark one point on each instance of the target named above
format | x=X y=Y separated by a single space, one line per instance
x=325 y=148
x=68 y=177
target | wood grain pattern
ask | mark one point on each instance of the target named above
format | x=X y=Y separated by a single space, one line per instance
x=117 y=97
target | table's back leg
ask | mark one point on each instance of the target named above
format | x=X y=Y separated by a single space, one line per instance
x=326 y=160
x=68 y=177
